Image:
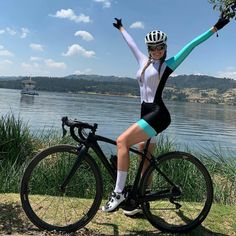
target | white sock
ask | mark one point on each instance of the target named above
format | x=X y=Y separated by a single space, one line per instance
x=120 y=181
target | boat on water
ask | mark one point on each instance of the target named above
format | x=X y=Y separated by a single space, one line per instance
x=29 y=87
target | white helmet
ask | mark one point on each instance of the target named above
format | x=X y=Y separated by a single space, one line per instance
x=156 y=37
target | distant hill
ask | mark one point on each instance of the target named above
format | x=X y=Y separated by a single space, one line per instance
x=193 y=88
x=202 y=82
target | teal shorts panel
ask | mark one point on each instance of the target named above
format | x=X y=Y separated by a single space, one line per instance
x=147 y=128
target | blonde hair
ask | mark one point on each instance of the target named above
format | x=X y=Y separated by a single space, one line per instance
x=150 y=60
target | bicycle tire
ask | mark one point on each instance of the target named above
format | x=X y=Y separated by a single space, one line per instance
x=197 y=193
x=40 y=191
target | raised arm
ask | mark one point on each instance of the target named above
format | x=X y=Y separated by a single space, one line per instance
x=175 y=61
x=129 y=40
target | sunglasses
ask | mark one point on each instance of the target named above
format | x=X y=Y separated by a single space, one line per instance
x=156 y=47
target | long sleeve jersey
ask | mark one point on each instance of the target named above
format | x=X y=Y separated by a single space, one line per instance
x=150 y=86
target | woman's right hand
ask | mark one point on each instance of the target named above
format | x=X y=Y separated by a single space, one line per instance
x=118 y=24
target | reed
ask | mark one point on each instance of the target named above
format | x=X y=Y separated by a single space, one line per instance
x=18 y=146
x=223 y=173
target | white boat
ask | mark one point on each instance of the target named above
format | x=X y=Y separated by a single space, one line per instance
x=29 y=87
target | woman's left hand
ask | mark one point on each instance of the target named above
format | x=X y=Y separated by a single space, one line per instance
x=222 y=22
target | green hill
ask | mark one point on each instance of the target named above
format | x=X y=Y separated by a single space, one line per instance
x=193 y=88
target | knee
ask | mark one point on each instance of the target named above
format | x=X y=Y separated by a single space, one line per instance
x=141 y=146
x=121 y=142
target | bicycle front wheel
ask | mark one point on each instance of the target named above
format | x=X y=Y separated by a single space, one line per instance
x=190 y=206
x=47 y=204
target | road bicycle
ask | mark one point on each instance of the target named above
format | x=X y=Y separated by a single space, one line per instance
x=62 y=187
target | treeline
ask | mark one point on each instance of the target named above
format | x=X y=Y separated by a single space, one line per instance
x=202 y=82
x=117 y=85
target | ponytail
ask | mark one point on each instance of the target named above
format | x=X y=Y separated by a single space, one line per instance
x=150 y=60
x=146 y=66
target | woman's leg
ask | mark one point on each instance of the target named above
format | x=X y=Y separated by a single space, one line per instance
x=133 y=135
x=151 y=148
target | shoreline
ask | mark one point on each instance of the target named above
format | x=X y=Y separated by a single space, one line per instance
x=186 y=95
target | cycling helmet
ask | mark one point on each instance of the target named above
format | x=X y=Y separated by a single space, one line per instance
x=156 y=37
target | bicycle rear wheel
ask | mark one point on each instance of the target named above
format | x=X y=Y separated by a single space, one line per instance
x=191 y=205
x=50 y=207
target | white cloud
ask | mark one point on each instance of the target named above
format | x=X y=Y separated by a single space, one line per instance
x=84 y=35
x=26 y=66
x=24 y=32
x=35 y=68
x=36 y=47
x=70 y=15
x=228 y=73
x=105 y=3
x=10 y=31
x=86 y=71
x=174 y=75
x=137 y=25
x=6 y=62
x=4 y=52
x=76 y=49
x=78 y=72
x=53 y=64
x=35 y=58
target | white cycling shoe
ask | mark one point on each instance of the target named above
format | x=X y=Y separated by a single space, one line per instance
x=114 y=201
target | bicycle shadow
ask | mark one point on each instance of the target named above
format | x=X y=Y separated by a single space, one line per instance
x=200 y=230
x=14 y=221
x=11 y=220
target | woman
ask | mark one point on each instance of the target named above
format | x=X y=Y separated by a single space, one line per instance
x=152 y=75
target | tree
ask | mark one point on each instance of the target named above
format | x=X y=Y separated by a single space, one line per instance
x=226 y=7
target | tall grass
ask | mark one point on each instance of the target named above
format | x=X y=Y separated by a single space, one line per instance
x=223 y=172
x=18 y=146
x=15 y=140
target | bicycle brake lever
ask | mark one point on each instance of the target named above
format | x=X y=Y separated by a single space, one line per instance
x=64 y=131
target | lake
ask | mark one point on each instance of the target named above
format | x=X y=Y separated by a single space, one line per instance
x=194 y=125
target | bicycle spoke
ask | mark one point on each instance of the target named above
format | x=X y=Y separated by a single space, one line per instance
x=55 y=214
x=181 y=212
x=63 y=209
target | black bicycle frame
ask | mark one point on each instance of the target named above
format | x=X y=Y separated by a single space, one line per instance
x=92 y=142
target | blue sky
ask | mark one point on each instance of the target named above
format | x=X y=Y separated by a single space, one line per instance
x=63 y=37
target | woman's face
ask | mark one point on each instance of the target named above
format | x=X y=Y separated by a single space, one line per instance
x=157 y=54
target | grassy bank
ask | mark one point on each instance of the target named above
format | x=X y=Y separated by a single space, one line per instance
x=13 y=221
x=18 y=146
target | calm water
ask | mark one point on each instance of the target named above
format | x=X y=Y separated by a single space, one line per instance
x=194 y=125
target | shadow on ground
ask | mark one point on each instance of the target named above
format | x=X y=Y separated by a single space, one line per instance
x=199 y=231
x=13 y=221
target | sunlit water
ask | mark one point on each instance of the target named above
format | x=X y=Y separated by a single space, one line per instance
x=193 y=125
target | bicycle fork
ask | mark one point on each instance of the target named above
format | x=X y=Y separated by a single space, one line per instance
x=81 y=152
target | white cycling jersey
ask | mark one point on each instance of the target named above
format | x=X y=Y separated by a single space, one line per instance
x=155 y=116
x=149 y=83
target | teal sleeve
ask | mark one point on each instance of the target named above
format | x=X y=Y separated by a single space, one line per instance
x=175 y=61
